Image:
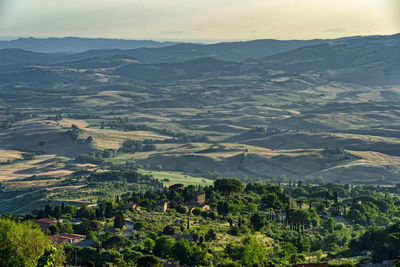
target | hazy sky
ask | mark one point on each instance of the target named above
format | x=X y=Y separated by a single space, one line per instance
x=198 y=20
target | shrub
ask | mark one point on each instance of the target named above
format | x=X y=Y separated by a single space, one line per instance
x=182 y=209
x=196 y=211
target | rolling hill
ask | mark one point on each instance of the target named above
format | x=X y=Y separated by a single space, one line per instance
x=257 y=110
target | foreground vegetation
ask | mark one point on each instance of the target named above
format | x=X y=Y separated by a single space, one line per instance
x=236 y=224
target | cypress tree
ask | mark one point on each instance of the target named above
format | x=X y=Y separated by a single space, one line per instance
x=119 y=220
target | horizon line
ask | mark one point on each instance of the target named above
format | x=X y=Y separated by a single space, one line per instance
x=189 y=40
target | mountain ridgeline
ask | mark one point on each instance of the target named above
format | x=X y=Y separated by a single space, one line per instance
x=75 y=45
x=77 y=49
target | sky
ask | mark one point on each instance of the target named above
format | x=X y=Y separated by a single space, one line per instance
x=198 y=20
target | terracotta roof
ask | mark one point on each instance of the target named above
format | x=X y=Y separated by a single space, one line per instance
x=46 y=220
x=311 y=265
x=70 y=235
x=59 y=238
x=66 y=237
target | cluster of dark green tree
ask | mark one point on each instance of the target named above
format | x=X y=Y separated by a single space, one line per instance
x=130 y=146
x=272 y=224
x=13 y=116
x=383 y=241
x=310 y=217
x=183 y=251
x=120 y=180
x=110 y=257
x=90 y=218
x=74 y=132
x=364 y=205
x=96 y=157
x=130 y=176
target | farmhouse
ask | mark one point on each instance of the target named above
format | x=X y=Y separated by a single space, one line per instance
x=133 y=205
x=161 y=206
x=197 y=197
x=67 y=238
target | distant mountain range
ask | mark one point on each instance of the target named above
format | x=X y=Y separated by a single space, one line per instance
x=363 y=60
x=62 y=50
x=75 y=44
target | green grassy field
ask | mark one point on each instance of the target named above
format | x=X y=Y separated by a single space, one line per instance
x=177 y=178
